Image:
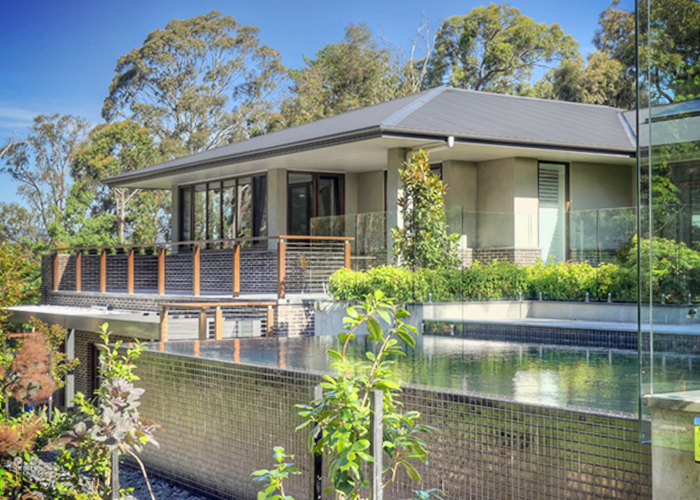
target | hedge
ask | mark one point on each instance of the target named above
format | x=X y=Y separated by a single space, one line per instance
x=676 y=271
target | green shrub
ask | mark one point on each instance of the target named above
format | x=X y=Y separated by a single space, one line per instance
x=439 y=283
x=395 y=282
x=676 y=272
x=498 y=280
x=676 y=268
x=346 y=284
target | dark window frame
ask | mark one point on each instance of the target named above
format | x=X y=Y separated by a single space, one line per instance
x=315 y=176
x=189 y=189
x=436 y=169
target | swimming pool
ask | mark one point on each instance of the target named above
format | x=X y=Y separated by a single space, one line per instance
x=560 y=376
x=225 y=404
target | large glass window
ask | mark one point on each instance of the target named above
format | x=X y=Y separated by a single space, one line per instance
x=245 y=208
x=233 y=208
x=312 y=195
x=186 y=213
x=228 y=204
x=260 y=207
x=214 y=211
x=200 y=212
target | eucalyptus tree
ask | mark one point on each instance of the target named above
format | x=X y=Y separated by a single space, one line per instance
x=603 y=80
x=196 y=84
x=41 y=164
x=669 y=41
x=495 y=49
x=112 y=149
x=351 y=74
x=18 y=225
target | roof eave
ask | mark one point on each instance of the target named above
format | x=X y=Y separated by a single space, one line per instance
x=500 y=141
x=372 y=132
x=353 y=136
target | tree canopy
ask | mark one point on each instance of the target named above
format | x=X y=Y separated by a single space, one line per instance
x=668 y=49
x=348 y=75
x=197 y=84
x=112 y=149
x=496 y=49
x=18 y=225
x=19 y=279
x=604 y=80
x=42 y=164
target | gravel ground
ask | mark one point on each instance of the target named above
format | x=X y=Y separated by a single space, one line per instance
x=44 y=471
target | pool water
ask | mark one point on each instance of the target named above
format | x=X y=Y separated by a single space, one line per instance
x=561 y=376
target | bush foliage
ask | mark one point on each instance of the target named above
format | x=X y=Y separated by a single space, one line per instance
x=423 y=240
x=676 y=273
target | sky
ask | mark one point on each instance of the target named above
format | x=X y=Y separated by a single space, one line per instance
x=59 y=57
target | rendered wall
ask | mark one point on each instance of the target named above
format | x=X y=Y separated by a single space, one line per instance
x=495 y=193
x=276 y=204
x=593 y=186
x=370 y=192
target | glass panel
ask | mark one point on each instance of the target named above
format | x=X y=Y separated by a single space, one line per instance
x=185 y=214
x=244 y=210
x=228 y=205
x=301 y=203
x=669 y=141
x=330 y=201
x=200 y=212
x=214 y=212
x=260 y=205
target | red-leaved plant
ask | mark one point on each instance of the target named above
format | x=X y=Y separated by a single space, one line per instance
x=26 y=376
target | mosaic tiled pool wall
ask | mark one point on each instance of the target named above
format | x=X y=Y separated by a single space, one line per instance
x=221 y=420
x=607 y=339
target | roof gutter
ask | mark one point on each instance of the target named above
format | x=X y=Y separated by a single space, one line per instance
x=490 y=141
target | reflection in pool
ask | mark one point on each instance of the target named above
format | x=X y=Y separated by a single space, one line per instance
x=559 y=376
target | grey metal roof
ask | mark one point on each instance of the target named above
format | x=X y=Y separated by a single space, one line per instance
x=522 y=120
x=439 y=112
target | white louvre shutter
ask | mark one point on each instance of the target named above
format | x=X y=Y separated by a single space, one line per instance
x=552 y=211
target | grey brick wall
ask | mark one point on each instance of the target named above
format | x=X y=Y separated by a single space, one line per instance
x=145 y=272
x=91 y=272
x=83 y=343
x=89 y=299
x=258 y=271
x=521 y=256
x=294 y=320
x=178 y=272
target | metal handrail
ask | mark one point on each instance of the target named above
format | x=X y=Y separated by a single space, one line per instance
x=196 y=251
x=203 y=242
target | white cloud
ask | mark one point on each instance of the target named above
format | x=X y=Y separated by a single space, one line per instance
x=15 y=121
x=12 y=119
x=16 y=114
